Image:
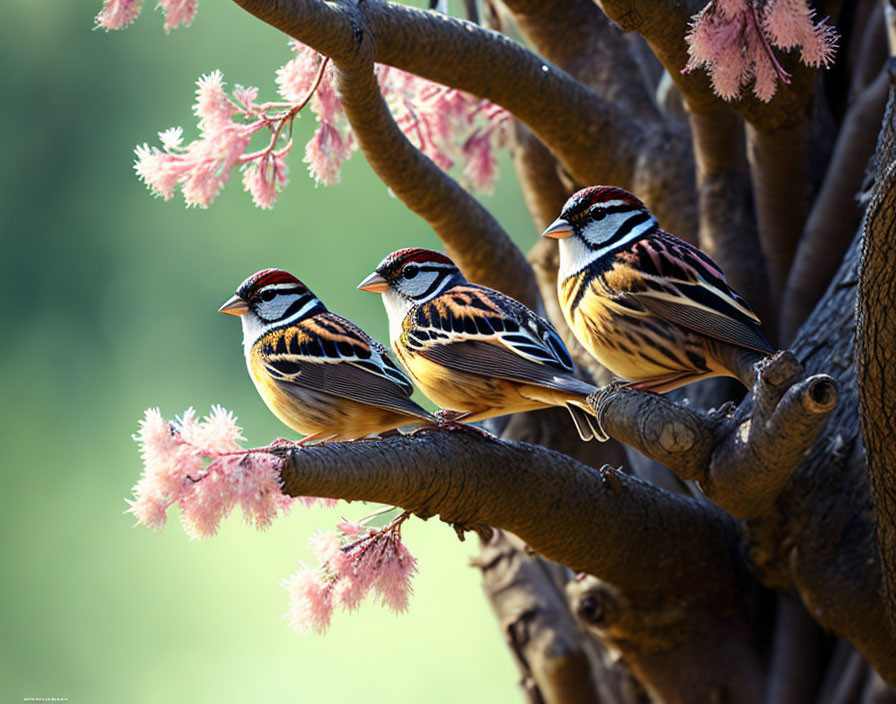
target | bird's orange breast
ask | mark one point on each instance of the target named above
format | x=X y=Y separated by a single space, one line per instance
x=618 y=332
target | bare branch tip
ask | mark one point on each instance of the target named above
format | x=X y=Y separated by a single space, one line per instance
x=819 y=394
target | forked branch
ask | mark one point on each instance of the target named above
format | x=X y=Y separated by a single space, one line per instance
x=596 y=140
x=675 y=565
x=741 y=460
x=472 y=236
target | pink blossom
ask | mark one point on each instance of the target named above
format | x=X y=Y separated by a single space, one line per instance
x=217 y=433
x=167 y=460
x=447 y=125
x=351 y=529
x=393 y=580
x=175 y=472
x=118 y=13
x=325 y=546
x=213 y=108
x=730 y=9
x=256 y=487
x=211 y=161
x=760 y=66
x=790 y=23
x=172 y=139
x=357 y=559
x=325 y=153
x=148 y=509
x=160 y=171
x=264 y=181
x=246 y=97
x=326 y=102
x=310 y=601
x=481 y=167
x=207 y=501
x=356 y=578
x=296 y=76
x=178 y=12
x=733 y=40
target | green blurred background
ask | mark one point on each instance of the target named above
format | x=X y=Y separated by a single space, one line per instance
x=110 y=299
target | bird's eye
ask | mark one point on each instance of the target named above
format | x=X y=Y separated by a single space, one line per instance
x=411 y=271
x=267 y=295
x=598 y=214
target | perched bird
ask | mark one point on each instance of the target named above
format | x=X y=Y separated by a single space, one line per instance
x=650 y=307
x=320 y=374
x=472 y=349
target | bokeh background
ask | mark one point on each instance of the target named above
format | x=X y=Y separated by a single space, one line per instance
x=109 y=300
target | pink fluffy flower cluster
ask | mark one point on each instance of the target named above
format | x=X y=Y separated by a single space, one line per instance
x=449 y=126
x=355 y=560
x=200 y=465
x=120 y=13
x=733 y=40
x=227 y=124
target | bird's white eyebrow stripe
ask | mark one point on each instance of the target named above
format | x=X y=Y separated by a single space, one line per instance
x=312 y=302
x=612 y=203
x=634 y=234
x=278 y=287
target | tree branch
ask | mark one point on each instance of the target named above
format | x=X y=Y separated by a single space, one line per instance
x=473 y=238
x=682 y=675
x=536 y=170
x=596 y=140
x=555 y=656
x=576 y=36
x=521 y=488
x=778 y=169
x=776 y=130
x=727 y=224
x=674 y=564
x=742 y=461
x=836 y=214
x=798 y=655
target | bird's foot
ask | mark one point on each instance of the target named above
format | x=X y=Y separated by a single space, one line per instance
x=451 y=421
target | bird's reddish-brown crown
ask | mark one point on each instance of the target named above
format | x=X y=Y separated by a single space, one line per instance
x=396 y=261
x=266 y=277
x=580 y=201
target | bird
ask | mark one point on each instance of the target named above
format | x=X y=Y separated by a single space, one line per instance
x=318 y=372
x=650 y=307
x=473 y=350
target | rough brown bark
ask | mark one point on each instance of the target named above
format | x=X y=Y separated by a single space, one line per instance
x=819 y=539
x=876 y=340
x=741 y=460
x=558 y=661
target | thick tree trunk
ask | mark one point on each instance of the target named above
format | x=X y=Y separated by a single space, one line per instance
x=875 y=349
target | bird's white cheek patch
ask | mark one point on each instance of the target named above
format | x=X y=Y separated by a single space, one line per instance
x=397 y=307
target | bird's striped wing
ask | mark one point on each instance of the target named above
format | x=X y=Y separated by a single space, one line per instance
x=330 y=354
x=684 y=286
x=480 y=331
